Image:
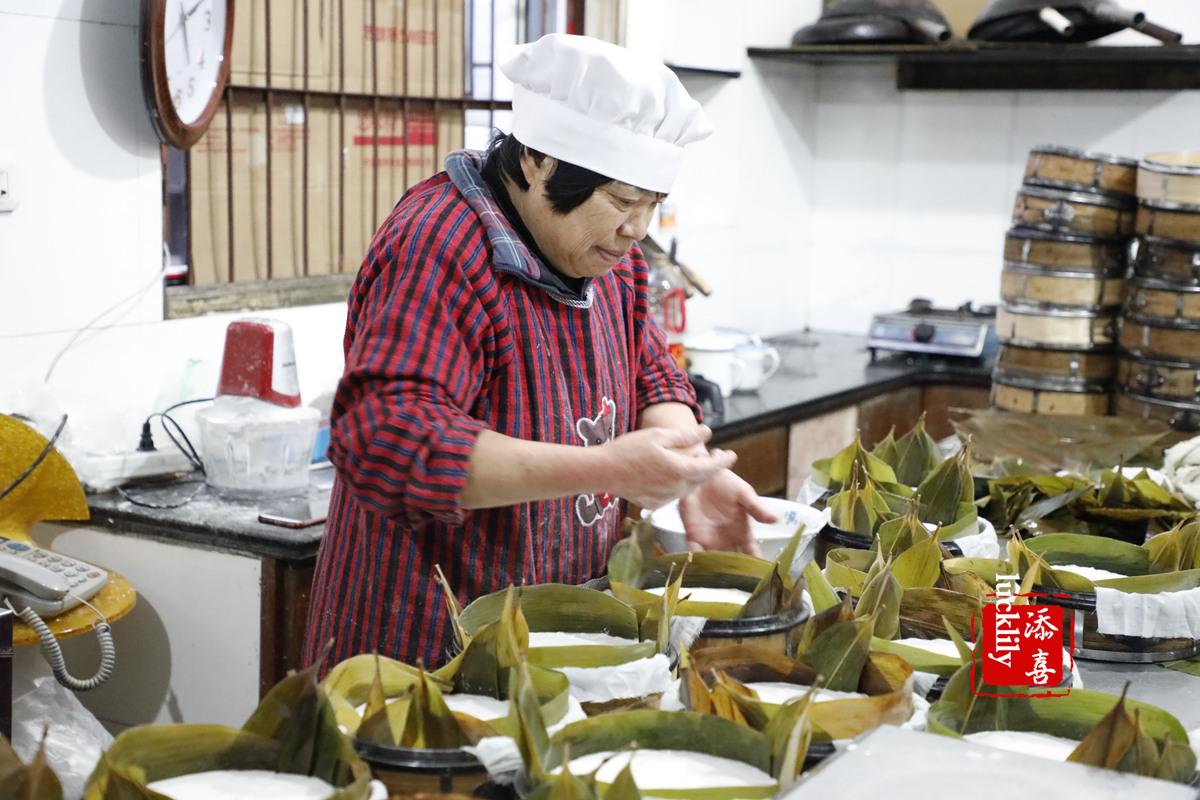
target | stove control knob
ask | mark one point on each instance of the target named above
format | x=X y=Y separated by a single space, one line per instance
x=923 y=332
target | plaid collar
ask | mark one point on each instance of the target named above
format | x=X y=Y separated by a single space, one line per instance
x=509 y=252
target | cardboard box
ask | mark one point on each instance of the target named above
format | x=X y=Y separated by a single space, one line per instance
x=386 y=153
x=268 y=230
x=335 y=175
x=287 y=39
x=413 y=48
x=961 y=14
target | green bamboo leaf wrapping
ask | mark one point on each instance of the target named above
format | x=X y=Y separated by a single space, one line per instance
x=919 y=565
x=885 y=449
x=920 y=659
x=32 y=781
x=532 y=739
x=1177 y=762
x=790 y=732
x=839 y=653
x=557 y=607
x=949 y=484
x=1109 y=739
x=850 y=510
x=430 y=723
x=1175 y=549
x=564 y=786
x=922 y=611
x=1154 y=584
x=819 y=588
x=917 y=455
x=624 y=787
x=842 y=466
x=1142 y=756
x=846 y=568
x=880 y=601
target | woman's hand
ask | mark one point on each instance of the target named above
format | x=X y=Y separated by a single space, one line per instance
x=717 y=515
x=653 y=466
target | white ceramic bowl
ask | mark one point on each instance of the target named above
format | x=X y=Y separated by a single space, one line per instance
x=772 y=538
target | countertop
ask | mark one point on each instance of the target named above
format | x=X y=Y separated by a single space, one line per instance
x=812 y=379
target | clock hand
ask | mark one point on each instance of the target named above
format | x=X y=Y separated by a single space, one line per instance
x=187 y=53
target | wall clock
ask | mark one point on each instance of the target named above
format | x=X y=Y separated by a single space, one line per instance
x=185 y=62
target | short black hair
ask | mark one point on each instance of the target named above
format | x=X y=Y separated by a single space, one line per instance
x=567 y=188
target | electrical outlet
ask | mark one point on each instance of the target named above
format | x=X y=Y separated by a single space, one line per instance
x=102 y=471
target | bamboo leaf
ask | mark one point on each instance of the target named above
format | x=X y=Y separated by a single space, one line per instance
x=880 y=601
x=919 y=565
x=1106 y=743
x=819 y=589
x=917 y=455
x=839 y=653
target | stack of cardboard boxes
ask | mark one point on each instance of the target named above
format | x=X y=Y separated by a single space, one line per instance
x=299 y=179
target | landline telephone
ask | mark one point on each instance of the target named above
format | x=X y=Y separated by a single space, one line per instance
x=36 y=582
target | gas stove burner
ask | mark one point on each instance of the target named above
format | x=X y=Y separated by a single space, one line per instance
x=922 y=307
x=922 y=328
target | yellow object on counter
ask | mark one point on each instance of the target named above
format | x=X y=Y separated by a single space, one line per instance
x=51 y=492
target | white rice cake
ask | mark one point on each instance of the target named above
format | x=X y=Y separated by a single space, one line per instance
x=708 y=594
x=565 y=639
x=671 y=769
x=779 y=692
x=1091 y=573
x=1031 y=743
x=243 y=784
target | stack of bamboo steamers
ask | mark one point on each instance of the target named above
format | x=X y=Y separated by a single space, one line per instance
x=1063 y=282
x=1158 y=375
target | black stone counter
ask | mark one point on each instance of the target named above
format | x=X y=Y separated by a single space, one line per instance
x=836 y=372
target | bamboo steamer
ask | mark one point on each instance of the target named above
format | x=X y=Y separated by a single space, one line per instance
x=1079 y=364
x=1056 y=327
x=1163 y=301
x=1071 y=168
x=1168 y=223
x=1055 y=249
x=1170 y=180
x=1042 y=394
x=1160 y=320
x=1183 y=417
x=1177 y=262
x=1063 y=210
x=1030 y=284
x=1160 y=379
x=1143 y=338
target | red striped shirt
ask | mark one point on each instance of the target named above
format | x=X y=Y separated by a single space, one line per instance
x=453 y=329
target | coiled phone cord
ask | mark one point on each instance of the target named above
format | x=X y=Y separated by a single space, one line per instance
x=54 y=656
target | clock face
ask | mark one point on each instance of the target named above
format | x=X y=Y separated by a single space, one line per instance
x=194 y=49
x=185 y=61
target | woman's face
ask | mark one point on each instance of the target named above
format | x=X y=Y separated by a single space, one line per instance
x=588 y=241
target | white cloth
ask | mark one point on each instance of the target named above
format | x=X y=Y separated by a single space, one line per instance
x=1181 y=467
x=600 y=106
x=1166 y=614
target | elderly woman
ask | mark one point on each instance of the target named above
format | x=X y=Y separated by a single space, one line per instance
x=506 y=388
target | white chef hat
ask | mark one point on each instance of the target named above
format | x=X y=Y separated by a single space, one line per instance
x=603 y=107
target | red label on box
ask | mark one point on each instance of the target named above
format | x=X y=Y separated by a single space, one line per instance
x=1022 y=645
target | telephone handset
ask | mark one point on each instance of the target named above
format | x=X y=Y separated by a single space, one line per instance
x=45 y=581
x=35 y=582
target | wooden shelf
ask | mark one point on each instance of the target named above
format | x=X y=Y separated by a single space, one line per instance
x=961 y=64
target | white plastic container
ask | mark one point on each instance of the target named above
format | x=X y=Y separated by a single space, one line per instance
x=252 y=448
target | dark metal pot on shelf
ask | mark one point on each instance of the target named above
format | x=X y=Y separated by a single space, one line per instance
x=1078 y=21
x=876 y=22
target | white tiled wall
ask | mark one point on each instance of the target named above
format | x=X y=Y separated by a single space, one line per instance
x=852 y=197
x=824 y=196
